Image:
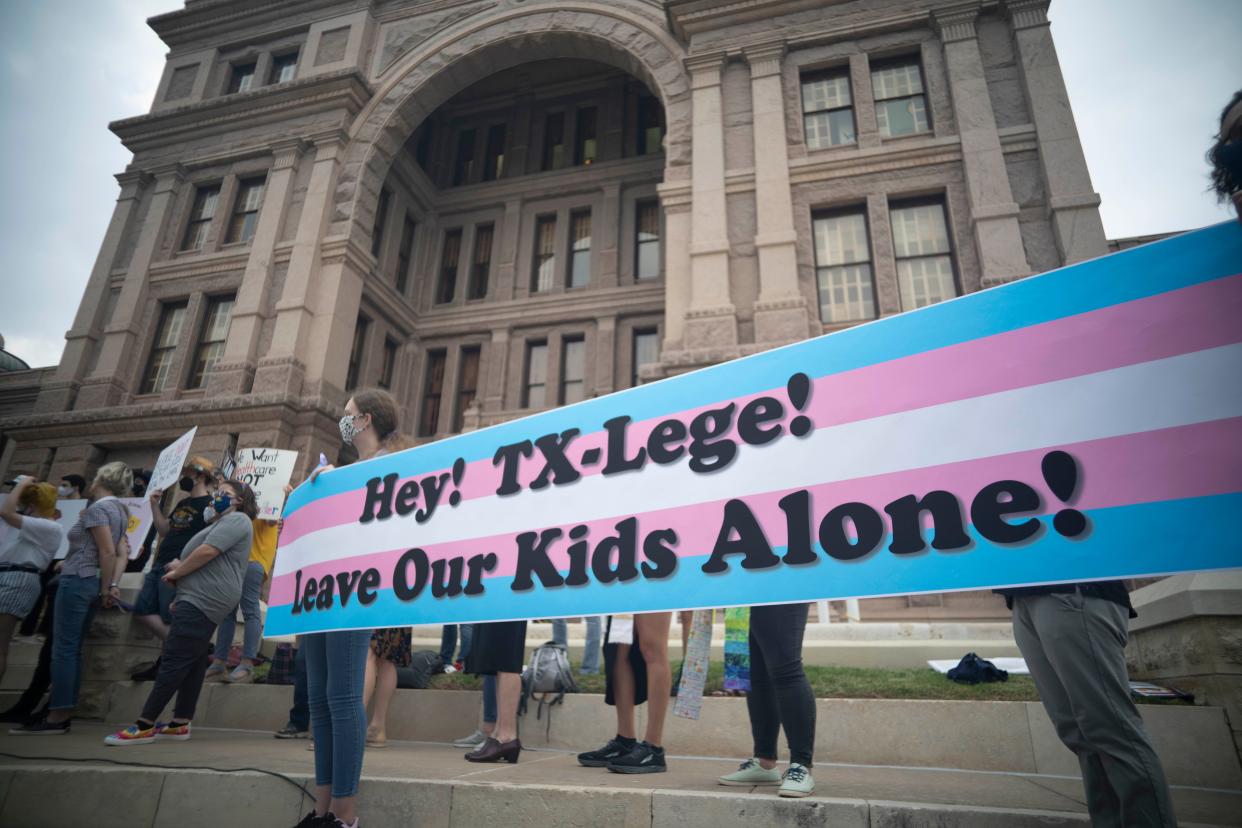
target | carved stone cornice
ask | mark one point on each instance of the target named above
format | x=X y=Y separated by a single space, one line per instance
x=133 y=182
x=704 y=69
x=765 y=59
x=1027 y=14
x=690 y=16
x=285 y=154
x=957 y=21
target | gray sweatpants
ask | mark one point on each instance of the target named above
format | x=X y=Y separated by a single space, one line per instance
x=1075 y=648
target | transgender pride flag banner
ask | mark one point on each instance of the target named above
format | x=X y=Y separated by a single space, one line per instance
x=1082 y=424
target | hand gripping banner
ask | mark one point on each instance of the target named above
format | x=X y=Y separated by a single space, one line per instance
x=1082 y=424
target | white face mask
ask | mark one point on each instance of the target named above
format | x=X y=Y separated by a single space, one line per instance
x=64 y=491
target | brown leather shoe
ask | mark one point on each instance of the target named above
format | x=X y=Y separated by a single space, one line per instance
x=493 y=751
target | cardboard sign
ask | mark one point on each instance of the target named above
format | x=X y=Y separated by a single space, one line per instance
x=267 y=471
x=1085 y=424
x=171 y=461
x=140 y=521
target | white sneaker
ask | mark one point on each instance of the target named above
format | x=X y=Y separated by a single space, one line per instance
x=473 y=740
x=796 y=781
x=751 y=773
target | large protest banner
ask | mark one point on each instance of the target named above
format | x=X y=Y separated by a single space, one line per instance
x=1082 y=424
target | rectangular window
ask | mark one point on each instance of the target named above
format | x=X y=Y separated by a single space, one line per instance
x=381 y=219
x=172 y=317
x=573 y=371
x=211 y=340
x=843 y=267
x=647 y=253
x=646 y=352
x=481 y=263
x=545 y=254
x=828 y=109
x=650 y=126
x=580 y=249
x=554 y=141
x=245 y=211
x=449 y=257
x=201 y=212
x=924 y=255
x=463 y=169
x=355 y=353
x=534 y=393
x=389 y=365
x=433 y=390
x=284 y=67
x=467 y=385
x=585 y=145
x=241 y=77
x=494 y=160
x=405 y=253
x=900 y=103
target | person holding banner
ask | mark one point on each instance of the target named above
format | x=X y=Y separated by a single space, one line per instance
x=208 y=579
x=88 y=580
x=30 y=510
x=336 y=661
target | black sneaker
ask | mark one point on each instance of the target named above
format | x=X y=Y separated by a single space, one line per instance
x=312 y=821
x=615 y=749
x=42 y=727
x=148 y=674
x=291 y=732
x=643 y=758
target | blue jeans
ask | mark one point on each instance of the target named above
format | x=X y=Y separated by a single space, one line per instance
x=299 y=714
x=76 y=602
x=448 y=642
x=252 y=587
x=489 y=699
x=594 y=636
x=335 y=669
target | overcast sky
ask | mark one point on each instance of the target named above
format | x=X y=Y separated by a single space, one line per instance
x=1147 y=80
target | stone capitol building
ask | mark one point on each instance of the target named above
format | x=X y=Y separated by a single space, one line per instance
x=492 y=207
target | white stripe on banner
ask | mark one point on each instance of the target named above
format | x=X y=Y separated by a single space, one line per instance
x=1182 y=390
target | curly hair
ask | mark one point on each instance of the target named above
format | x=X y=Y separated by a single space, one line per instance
x=1222 y=182
x=115 y=477
x=249 y=505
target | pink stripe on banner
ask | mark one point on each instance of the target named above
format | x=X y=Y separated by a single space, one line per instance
x=1167 y=464
x=1178 y=322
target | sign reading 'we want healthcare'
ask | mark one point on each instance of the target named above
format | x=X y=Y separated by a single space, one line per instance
x=1082 y=424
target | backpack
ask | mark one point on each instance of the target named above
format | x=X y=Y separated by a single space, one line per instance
x=548 y=673
x=423 y=665
x=974 y=670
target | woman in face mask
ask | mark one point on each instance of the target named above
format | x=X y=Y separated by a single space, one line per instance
x=28 y=548
x=337 y=662
x=1225 y=156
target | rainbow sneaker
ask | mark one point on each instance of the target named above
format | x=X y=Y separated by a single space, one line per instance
x=172 y=733
x=132 y=735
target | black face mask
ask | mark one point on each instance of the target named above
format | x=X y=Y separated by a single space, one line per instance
x=187 y=484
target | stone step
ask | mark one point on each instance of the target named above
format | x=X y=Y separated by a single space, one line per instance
x=431 y=786
x=1195 y=743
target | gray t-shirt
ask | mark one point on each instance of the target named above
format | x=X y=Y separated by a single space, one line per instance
x=216 y=588
x=34 y=543
x=83 y=557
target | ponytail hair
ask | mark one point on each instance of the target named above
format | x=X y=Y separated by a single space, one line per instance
x=382 y=408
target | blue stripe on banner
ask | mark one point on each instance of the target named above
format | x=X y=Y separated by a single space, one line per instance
x=1139 y=540
x=1190 y=259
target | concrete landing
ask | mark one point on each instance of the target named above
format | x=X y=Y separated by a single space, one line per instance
x=411 y=783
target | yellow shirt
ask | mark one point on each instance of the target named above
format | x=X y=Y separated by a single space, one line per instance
x=263 y=545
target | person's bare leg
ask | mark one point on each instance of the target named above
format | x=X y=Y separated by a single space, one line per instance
x=508 y=694
x=368 y=681
x=323 y=799
x=385 y=687
x=8 y=623
x=686 y=618
x=652 y=629
x=623 y=691
x=345 y=809
x=155 y=624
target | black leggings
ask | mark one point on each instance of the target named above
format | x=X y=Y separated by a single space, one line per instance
x=182 y=664
x=779 y=690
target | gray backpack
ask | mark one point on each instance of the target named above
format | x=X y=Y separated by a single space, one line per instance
x=549 y=675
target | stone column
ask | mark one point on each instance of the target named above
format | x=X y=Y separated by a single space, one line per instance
x=993 y=210
x=506 y=264
x=283 y=368
x=675 y=248
x=1072 y=202
x=780 y=311
x=605 y=355
x=605 y=233
x=59 y=393
x=120 y=353
x=711 y=319
x=234 y=374
x=497 y=371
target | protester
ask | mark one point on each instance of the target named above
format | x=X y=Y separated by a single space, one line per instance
x=208 y=578
x=336 y=661
x=780 y=696
x=187 y=520
x=390 y=649
x=635 y=673
x=497 y=651
x=1225 y=156
x=591 y=649
x=31 y=543
x=258 y=568
x=298 y=726
x=142 y=479
x=72 y=487
x=88 y=580
x=448 y=642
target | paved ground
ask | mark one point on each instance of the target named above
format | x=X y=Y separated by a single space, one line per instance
x=223 y=749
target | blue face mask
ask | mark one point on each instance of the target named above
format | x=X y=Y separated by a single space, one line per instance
x=221 y=503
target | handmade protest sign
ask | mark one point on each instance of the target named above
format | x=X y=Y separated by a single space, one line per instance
x=267 y=471
x=171 y=461
x=1082 y=424
x=140 y=521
